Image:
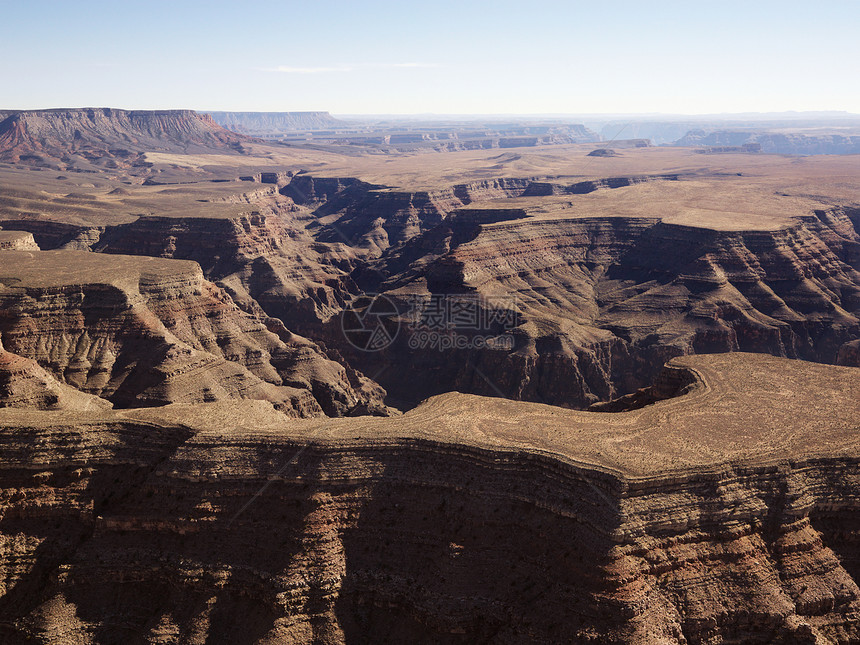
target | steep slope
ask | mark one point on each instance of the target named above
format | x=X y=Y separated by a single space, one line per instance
x=606 y=275
x=716 y=516
x=588 y=307
x=143 y=331
x=595 y=283
x=373 y=218
x=24 y=384
x=264 y=258
x=107 y=134
x=17 y=241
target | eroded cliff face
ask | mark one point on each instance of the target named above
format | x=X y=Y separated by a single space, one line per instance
x=265 y=260
x=601 y=303
x=374 y=218
x=17 y=241
x=368 y=217
x=143 y=331
x=25 y=384
x=168 y=524
x=100 y=134
x=52 y=235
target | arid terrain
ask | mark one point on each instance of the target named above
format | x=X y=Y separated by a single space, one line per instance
x=318 y=381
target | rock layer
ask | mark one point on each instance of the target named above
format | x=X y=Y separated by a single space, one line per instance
x=266 y=262
x=17 y=241
x=144 y=331
x=601 y=302
x=467 y=519
x=604 y=287
x=24 y=384
x=109 y=134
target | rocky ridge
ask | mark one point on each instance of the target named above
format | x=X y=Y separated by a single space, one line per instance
x=145 y=331
x=267 y=123
x=24 y=384
x=792 y=143
x=466 y=519
x=602 y=302
x=373 y=218
x=108 y=136
x=718 y=504
x=268 y=263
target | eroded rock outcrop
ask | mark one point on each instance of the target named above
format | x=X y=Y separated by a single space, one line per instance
x=146 y=331
x=24 y=384
x=17 y=241
x=601 y=302
x=710 y=517
x=604 y=287
x=266 y=262
x=373 y=219
x=106 y=134
x=365 y=216
x=51 y=235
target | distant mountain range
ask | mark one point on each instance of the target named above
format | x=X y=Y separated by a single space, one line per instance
x=262 y=123
x=805 y=134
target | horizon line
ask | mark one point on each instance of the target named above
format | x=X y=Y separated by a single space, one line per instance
x=828 y=112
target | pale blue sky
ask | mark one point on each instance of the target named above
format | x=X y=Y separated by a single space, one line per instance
x=377 y=56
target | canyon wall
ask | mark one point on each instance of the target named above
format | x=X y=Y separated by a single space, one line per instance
x=169 y=524
x=145 y=331
x=17 y=241
x=109 y=134
x=601 y=303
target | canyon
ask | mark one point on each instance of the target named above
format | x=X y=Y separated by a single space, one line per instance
x=468 y=519
x=615 y=398
x=140 y=331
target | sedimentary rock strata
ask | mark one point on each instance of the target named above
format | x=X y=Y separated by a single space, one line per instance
x=146 y=331
x=267 y=262
x=375 y=218
x=17 y=241
x=707 y=517
x=602 y=302
x=25 y=384
x=108 y=134
x=610 y=275
x=714 y=499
